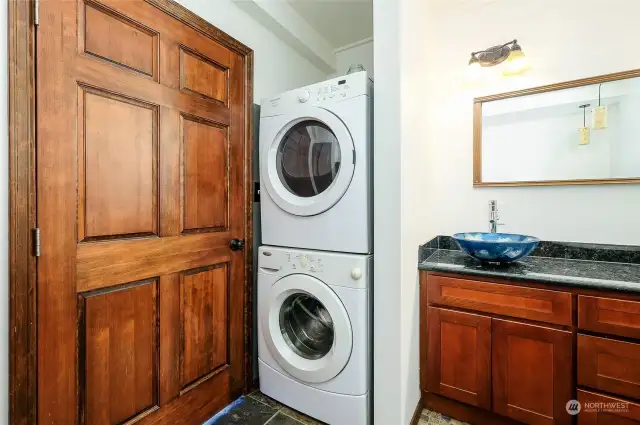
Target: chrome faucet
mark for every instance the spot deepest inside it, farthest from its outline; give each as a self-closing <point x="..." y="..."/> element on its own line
<point x="494" y="216"/>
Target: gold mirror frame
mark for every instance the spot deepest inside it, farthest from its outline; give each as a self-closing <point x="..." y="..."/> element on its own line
<point x="477" y="131"/>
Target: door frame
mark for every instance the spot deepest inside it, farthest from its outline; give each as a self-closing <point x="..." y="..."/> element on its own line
<point x="22" y="197"/>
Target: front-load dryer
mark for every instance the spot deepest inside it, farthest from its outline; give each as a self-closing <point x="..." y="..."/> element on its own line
<point x="314" y="332"/>
<point x="316" y="166"/>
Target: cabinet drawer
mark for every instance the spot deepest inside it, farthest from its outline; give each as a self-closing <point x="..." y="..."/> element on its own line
<point x="598" y="409"/>
<point x="609" y="315"/>
<point x="609" y="365"/>
<point x="517" y="301"/>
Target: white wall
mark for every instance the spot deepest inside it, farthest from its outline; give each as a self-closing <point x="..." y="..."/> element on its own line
<point x="277" y="67"/>
<point x="399" y="158"/>
<point x="356" y="53"/>
<point x="388" y="402"/>
<point x="551" y="34"/>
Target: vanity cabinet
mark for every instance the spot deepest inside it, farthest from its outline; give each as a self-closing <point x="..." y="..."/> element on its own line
<point x="500" y="352"/>
<point x="526" y="367"/>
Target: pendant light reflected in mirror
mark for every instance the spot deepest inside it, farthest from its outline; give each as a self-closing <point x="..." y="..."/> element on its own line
<point x="584" y="132"/>
<point x="599" y="114"/>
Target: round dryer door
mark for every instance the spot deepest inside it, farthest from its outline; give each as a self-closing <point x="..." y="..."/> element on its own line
<point x="306" y="328"/>
<point x="309" y="164"/>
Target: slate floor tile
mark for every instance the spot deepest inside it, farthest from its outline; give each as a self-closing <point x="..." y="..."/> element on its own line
<point x="244" y="411"/>
<point x="282" y="419"/>
<point x="257" y="395"/>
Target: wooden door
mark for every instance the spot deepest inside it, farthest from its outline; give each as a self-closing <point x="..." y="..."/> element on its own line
<point x="459" y="356"/>
<point x="532" y="372"/>
<point x="141" y="159"/>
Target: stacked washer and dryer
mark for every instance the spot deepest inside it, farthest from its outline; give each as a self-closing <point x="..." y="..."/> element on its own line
<point x="315" y="269"/>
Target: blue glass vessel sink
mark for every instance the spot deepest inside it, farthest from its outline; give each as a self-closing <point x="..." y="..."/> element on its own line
<point x="496" y="247"/>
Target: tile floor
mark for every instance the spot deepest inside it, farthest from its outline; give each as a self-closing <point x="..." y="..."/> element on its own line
<point x="259" y="409"/>
<point x="427" y="417"/>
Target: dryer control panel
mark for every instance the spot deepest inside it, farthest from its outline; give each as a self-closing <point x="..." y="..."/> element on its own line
<point x="323" y="93"/>
<point x="350" y="270"/>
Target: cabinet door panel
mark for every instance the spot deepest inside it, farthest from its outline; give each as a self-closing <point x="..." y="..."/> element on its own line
<point x="459" y="356"/>
<point x="532" y="372"/>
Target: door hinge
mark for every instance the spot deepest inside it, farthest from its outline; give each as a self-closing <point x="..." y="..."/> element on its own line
<point x="36" y="242"/>
<point x="36" y="12"/>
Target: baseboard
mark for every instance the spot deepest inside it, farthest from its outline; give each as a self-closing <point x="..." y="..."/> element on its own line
<point x="463" y="412"/>
<point x="416" y="413"/>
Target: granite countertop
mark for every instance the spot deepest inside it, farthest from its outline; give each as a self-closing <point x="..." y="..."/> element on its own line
<point x="610" y="267"/>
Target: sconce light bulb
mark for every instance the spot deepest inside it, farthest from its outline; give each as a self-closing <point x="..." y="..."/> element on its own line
<point x="516" y="63"/>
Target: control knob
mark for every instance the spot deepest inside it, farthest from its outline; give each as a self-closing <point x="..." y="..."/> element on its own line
<point x="304" y="96"/>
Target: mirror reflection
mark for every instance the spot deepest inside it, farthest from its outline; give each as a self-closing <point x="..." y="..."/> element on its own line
<point x="590" y="132"/>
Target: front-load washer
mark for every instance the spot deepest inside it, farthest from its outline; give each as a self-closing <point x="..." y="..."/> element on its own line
<point x="314" y="332"/>
<point x="316" y="166"/>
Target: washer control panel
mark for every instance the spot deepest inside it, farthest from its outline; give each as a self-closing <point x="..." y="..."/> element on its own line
<point x="304" y="262"/>
<point x="339" y="269"/>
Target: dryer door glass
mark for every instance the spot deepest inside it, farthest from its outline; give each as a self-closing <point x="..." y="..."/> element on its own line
<point x="308" y="158"/>
<point x="306" y="326"/>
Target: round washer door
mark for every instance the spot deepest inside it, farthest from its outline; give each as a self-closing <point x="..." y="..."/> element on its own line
<point x="309" y="165"/>
<point x="306" y="328"/>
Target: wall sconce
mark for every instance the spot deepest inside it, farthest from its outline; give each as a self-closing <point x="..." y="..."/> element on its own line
<point x="515" y="62"/>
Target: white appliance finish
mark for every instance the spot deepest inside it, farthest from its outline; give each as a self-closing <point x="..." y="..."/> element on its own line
<point x="315" y="166"/>
<point x="330" y="382"/>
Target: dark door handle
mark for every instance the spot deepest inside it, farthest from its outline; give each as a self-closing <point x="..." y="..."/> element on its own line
<point x="236" y="244"/>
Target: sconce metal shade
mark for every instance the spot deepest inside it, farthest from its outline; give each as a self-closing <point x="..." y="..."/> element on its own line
<point x="511" y="53"/>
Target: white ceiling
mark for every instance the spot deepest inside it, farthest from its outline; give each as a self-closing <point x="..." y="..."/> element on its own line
<point x="340" y="22"/>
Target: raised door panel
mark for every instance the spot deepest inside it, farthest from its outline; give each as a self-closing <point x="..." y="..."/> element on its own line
<point x="204" y="300"/>
<point x="608" y="315"/>
<point x="532" y="372"/>
<point x="459" y="356"/>
<point x="118" y="39"/>
<point x="203" y="76"/>
<point x="206" y="179"/>
<point x="599" y="409"/>
<point x="117" y="151"/>
<point x="119" y="353"/>
<point x="609" y="365"/>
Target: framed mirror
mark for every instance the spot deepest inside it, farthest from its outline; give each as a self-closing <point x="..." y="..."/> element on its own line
<point x="578" y="132"/>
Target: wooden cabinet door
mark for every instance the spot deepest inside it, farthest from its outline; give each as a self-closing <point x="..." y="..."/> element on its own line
<point x="459" y="356"/>
<point x="532" y="372"/>
<point x="141" y="155"/>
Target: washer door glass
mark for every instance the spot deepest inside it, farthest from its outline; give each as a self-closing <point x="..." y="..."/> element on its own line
<point x="308" y="164"/>
<point x="306" y="326"/>
<point x="308" y="158"/>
